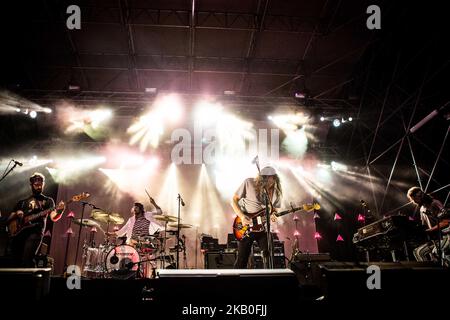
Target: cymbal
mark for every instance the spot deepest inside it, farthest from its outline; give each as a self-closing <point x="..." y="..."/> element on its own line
<point x="110" y="217"/>
<point x="86" y="223"/>
<point x="182" y="225"/>
<point x="165" y="217"/>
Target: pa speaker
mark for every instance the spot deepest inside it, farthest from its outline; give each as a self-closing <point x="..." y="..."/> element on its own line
<point x="30" y="284"/>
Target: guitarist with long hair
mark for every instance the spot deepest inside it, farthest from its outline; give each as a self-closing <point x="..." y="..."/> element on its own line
<point x="249" y="199"/>
<point x="25" y="244"/>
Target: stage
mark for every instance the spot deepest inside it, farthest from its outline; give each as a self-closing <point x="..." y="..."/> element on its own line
<point x="281" y="291"/>
<point x="199" y="157"/>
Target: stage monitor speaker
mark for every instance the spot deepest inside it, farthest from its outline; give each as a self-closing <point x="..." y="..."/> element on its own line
<point x="226" y="286"/>
<point x="220" y="260"/>
<point x="306" y="267"/>
<point x="401" y="281"/>
<point x="116" y="293"/>
<point x="30" y="284"/>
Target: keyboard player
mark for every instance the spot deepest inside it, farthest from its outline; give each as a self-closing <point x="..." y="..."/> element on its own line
<point x="431" y="211"/>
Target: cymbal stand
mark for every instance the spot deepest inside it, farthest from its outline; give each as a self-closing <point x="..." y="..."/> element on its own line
<point x="69" y="235"/>
<point x="183" y="242"/>
<point x="79" y="231"/>
<point x="107" y="233"/>
<point x="163" y="249"/>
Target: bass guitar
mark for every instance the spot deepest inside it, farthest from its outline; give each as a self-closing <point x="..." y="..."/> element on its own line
<point x="18" y="224"/>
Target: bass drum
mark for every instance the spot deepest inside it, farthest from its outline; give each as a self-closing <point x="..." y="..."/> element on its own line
<point x="122" y="258"/>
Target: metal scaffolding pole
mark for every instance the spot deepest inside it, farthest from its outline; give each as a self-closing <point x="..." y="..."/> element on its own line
<point x="437" y="159"/>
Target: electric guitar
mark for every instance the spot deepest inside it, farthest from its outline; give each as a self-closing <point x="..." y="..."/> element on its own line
<point x="17" y="225"/>
<point x="241" y="230"/>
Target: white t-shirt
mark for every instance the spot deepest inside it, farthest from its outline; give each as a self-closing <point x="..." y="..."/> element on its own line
<point x="250" y="201"/>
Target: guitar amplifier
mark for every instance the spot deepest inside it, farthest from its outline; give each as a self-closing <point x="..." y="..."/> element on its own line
<point x="220" y="260"/>
<point x="278" y="256"/>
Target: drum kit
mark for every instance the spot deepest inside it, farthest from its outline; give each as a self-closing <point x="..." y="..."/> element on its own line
<point x="140" y="256"/>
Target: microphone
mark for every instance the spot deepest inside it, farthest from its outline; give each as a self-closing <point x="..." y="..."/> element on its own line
<point x="17" y="162"/>
<point x="181" y="200"/>
<point x="255" y="160"/>
<point x="363" y="203"/>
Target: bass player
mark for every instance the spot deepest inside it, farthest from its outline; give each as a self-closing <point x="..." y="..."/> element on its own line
<point x="25" y="244"/>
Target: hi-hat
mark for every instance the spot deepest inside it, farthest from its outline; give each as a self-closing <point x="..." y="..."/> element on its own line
<point x="110" y="217"/>
<point x="181" y="226"/>
<point x="165" y="217"/>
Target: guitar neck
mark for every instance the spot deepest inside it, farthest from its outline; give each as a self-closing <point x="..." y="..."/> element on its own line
<point x="278" y="214"/>
<point x="42" y="213"/>
<point x="282" y="213"/>
<point x="39" y="215"/>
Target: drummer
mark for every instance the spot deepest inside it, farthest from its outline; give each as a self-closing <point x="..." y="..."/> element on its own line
<point x="141" y="223"/>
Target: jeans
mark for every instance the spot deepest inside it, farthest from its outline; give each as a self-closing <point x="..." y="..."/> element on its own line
<point x="245" y="247"/>
<point x="24" y="248"/>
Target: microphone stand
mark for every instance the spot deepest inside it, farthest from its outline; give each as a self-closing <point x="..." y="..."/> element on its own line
<point x="268" y="232"/>
<point x="79" y="231"/>
<point x="439" y="247"/>
<point x="177" y="246"/>
<point x="84" y="203"/>
<point x="9" y="171"/>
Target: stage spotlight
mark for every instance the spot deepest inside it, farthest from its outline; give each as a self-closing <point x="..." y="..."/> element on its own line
<point x="169" y="108"/>
<point x="33" y="160"/>
<point x="350" y="119"/>
<point x="47" y="110"/>
<point x="99" y="116"/>
<point x="151" y="90"/>
<point x="33" y="114"/>
<point x="74" y="87"/>
<point x="335" y="166"/>
<point x="336" y="123"/>
<point x="208" y="113"/>
<point x="289" y="122"/>
<point x="322" y="118"/>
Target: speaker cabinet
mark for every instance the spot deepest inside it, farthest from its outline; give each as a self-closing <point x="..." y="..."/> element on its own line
<point x="220" y="260"/>
<point x="31" y="284"/>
